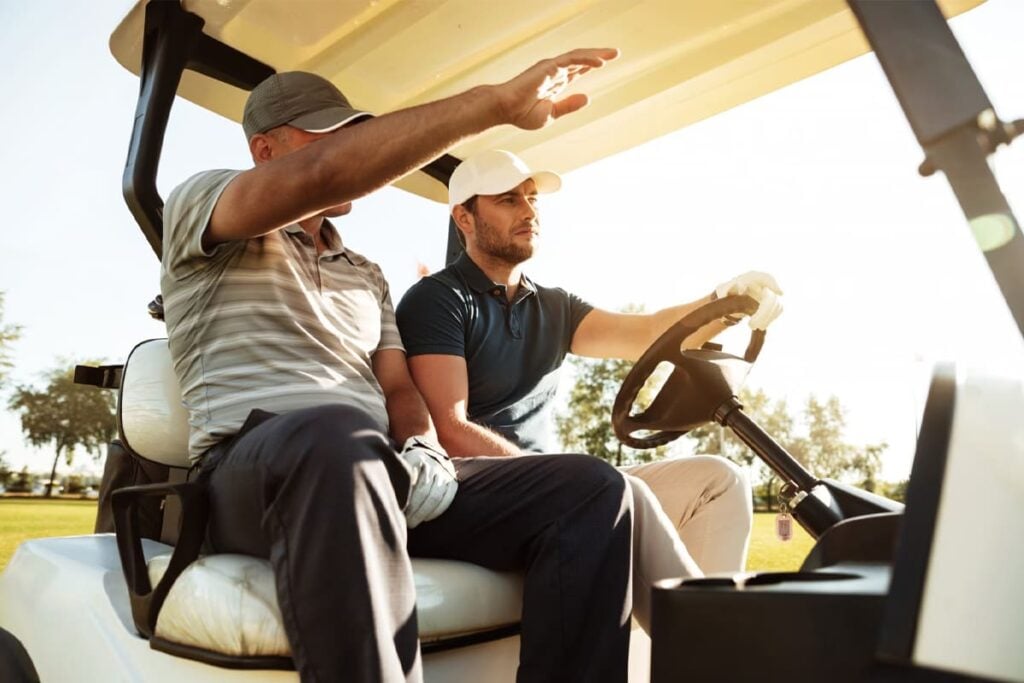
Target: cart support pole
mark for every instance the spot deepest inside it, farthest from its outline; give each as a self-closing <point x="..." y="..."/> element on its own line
<point x="954" y="122"/>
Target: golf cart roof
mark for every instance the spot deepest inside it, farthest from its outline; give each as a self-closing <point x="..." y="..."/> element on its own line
<point x="683" y="60"/>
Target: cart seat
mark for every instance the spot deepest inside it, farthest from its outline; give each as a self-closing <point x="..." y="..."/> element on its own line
<point x="226" y="605"/>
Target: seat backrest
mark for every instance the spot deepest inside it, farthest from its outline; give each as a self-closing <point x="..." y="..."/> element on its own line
<point x="151" y="417"/>
<point x="956" y="591"/>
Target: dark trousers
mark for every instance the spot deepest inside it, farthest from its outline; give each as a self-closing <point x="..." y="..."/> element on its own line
<point x="319" y="492"/>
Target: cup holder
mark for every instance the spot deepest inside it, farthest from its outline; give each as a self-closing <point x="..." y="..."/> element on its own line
<point x="743" y="580"/>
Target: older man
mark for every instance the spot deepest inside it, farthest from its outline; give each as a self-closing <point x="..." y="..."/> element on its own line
<point x="317" y="448"/>
<point x="485" y="344"/>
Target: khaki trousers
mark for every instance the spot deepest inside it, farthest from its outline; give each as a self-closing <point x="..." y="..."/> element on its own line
<point x="692" y="516"/>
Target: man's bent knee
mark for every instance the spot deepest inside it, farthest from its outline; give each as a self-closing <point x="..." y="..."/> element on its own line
<point x="592" y="471"/>
<point x="729" y="473"/>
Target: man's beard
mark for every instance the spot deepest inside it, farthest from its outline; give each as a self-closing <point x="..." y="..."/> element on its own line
<point x="490" y="242"/>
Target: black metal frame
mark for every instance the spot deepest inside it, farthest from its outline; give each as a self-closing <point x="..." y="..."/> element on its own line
<point x="173" y="42"/>
<point x="924" y="495"/>
<point x="952" y="118"/>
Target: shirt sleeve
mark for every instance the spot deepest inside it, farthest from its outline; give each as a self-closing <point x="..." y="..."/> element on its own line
<point x="578" y="310"/>
<point x="432" y="318"/>
<point x="186" y="215"/>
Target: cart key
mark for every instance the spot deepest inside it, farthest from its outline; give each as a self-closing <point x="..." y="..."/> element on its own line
<point x="784" y="524"/>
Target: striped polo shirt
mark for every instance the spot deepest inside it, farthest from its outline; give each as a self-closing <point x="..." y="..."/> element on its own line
<point x="267" y="322"/>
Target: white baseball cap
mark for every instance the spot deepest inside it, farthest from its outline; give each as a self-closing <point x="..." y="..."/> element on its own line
<point x="494" y="172"/>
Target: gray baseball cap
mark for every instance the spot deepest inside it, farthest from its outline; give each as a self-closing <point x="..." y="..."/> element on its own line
<point x="300" y="99"/>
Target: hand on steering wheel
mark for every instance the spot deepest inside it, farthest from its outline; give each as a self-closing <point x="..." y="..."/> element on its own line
<point x="763" y="288"/>
<point x="700" y="381"/>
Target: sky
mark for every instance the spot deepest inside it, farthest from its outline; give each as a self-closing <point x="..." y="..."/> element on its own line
<point x="815" y="184"/>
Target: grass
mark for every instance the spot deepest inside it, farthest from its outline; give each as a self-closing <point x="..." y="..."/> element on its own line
<point x="24" y="518"/>
<point x="768" y="553"/>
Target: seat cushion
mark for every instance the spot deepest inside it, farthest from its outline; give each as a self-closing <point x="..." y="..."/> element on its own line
<point x="228" y="603"/>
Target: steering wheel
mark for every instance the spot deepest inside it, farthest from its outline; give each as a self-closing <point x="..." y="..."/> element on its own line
<point x="701" y="379"/>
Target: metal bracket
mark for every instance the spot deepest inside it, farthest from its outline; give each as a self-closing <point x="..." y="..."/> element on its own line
<point x="102" y="376"/>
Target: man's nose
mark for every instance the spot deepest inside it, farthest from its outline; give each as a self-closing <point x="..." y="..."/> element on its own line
<point x="529" y="210"/>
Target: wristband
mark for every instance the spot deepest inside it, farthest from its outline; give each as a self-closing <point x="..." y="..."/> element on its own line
<point x="424" y="443"/>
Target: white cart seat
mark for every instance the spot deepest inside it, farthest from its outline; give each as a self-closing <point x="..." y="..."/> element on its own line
<point x="227" y="603"/>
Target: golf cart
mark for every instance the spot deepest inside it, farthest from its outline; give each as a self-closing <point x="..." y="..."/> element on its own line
<point x="881" y="595"/>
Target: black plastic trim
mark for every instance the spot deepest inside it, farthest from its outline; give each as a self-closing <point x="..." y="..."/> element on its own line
<point x="869" y="539"/>
<point x="220" y="659"/>
<point x="905" y="673"/>
<point x="924" y="494"/>
<point x="932" y="79"/>
<point x="471" y="639"/>
<point x="102" y="376"/>
<point x="441" y="168"/>
<point x="147" y="600"/>
<point x="288" y="664"/>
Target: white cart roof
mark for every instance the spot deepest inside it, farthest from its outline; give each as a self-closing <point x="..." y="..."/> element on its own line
<point x="682" y="60"/>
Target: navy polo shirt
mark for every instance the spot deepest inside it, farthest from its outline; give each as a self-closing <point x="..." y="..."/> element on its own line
<point x="513" y="349"/>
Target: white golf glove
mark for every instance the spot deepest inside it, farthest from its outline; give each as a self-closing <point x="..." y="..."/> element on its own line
<point x="769" y="308"/>
<point x="433" y="482"/>
<point x="761" y="287"/>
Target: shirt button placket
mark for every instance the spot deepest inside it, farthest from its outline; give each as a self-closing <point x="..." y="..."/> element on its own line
<point x="513" y="323"/>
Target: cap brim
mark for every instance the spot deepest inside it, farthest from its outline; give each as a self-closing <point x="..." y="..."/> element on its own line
<point x="545" y="182"/>
<point x="327" y="120"/>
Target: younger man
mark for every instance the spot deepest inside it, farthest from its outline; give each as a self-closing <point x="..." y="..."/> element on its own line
<point x="485" y="344"/>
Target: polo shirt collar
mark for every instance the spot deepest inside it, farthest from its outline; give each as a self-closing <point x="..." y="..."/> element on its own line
<point x="332" y="239"/>
<point x="481" y="284"/>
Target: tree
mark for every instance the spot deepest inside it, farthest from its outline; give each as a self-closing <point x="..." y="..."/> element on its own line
<point x="22" y="483"/>
<point x="75" y="484"/>
<point x="65" y="415"/>
<point x="894" y="490"/>
<point x="586" y="426"/>
<point x="8" y="334"/>
<point x="6" y="473"/>
<point x="824" y="451"/>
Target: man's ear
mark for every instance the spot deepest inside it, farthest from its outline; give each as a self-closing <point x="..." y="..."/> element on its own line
<point x="463" y="219"/>
<point x="259" y="147"/>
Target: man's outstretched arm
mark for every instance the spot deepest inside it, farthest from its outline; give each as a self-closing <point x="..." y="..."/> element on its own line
<point x="442" y="379"/>
<point x="605" y="334"/>
<point x="357" y="160"/>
